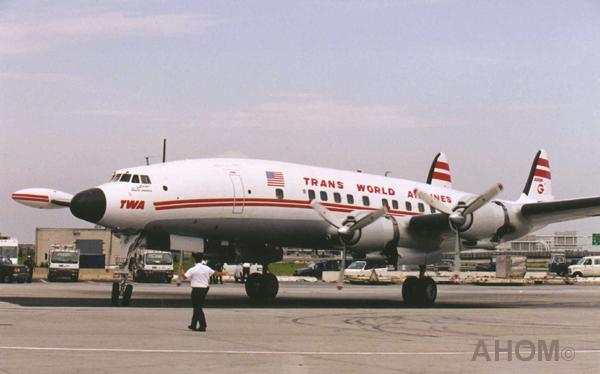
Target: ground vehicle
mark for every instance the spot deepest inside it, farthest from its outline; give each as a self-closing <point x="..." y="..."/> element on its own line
<point x="236" y="270"/>
<point x="560" y="265"/>
<point x="9" y="247"/>
<point x="10" y="272"/>
<point x="362" y="269"/>
<point x="316" y="268"/>
<point x="63" y="262"/>
<point x="588" y="266"/>
<point x="151" y="265"/>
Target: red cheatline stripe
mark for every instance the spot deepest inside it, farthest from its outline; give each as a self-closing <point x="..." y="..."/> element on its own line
<point x="282" y="204"/>
<point x="441" y="176"/>
<point x="543" y="162"/>
<point x="30" y="197"/>
<point x="229" y="199"/>
<point x="542" y="173"/>
<point x="442" y="165"/>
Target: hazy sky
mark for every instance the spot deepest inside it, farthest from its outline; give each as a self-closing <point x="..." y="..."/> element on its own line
<point x="89" y="87"/>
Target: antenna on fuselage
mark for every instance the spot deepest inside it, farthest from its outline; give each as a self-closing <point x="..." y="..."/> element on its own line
<point x="164" y="150"/>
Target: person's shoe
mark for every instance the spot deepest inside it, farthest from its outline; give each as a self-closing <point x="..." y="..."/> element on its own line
<point x="201" y="329"/>
<point x="192" y="328"/>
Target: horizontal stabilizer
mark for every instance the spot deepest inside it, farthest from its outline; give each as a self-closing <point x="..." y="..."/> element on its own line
<point x="562" y="210"/>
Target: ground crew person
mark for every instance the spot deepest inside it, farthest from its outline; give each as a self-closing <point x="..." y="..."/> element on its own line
<point x="30" y="264"/>
<point x="199" y="276"/>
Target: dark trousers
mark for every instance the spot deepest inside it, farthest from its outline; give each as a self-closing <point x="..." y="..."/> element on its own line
<point x="198" y="296"/>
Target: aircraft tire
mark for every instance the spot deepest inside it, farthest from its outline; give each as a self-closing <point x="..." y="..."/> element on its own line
<point x="409" y="290"/>
<point x="253" y="286"/>
<point x="127" y="295"/>
<point x="426" y="291"/>
<point x="269" y="287"/>
<point x="114" y="296"/>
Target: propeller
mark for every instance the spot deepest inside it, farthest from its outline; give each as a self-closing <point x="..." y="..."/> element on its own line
<point x="457" y="216"/>
<point x="346" y="230"/>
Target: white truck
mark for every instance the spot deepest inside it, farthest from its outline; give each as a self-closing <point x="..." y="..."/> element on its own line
<point x="237" y="270"/>
<point x="9" y="248"/>
<point x="586" y="267"/>
<point x="63" y="262"/>
<point x="149" y="265"/>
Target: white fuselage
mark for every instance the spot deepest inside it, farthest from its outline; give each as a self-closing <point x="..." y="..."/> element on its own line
<point x="234" y="199"/>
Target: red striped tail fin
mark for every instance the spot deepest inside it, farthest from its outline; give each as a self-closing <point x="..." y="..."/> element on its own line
<point x="539" y="182"/>
<point x="439" y="173"/>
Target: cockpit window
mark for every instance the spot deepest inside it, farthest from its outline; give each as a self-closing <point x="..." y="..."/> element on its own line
<point x="135" y="179"/>
<point x="116" y="177"/>
<point x="125" y="178"/>
<point x="145" y="179"/>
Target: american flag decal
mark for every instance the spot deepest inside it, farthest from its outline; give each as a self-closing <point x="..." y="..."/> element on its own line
<point x="275" y="179"/>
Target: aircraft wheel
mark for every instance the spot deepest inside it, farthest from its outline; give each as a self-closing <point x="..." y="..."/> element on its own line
<point x="127" y="295"/>
<point x="409" y="290"/>
<point x="114" y="296"/>
<point x="427" y="291"/>
<point x="269" y="287"/>
<point x="254" y="286"/>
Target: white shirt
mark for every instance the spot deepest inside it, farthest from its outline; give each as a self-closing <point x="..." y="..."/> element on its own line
<point x="199" y="275"/>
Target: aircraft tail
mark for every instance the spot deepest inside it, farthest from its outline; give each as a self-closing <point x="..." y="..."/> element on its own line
<point x="439" y="173"/>
<point x="539" y="184"/>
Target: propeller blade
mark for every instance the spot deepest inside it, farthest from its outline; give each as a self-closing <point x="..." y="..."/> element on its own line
<point x="429" y="200"/>
<point x="326" y="214"/>
<point x="482" y="199"/>
<point x="340" y="281"/>
<point x="363" y="221"/>
<point x="457" y="251"/>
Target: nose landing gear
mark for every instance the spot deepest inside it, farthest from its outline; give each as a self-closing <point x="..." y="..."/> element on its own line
<point x="262" y="288"/>
<point x="421" y="291"/>
<point x="121" y="290"/>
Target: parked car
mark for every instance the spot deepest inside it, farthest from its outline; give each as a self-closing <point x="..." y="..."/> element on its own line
<point x="10" y="272"/>
<point x="363" y="269"/>
<point x="316" y="268"/>
<point x="586" y="267"/>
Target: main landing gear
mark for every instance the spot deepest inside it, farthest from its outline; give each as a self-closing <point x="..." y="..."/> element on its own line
<point x="420" y="291"/>
<point x="262" y="288"/>
<point x="121" y="290"/>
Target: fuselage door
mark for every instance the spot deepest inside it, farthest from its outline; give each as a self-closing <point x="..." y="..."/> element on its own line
<point x="238" y="192"/>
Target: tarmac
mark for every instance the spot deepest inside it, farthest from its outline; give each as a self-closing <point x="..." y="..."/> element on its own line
<point x="311" y="328"/>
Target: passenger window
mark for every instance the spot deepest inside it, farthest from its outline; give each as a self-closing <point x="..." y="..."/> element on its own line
<point x="311" y="195"/>
<point x="279" y="193"/>
<point x="395" y="204"/>
<point x="385" y="203"/>
<point x="145" y="179"/>
<point x="323" y="195"/>
<point x="588" y="262"/>
<point x="432" y="209"/>
<point x="366" y="201"/>
<point x="350" y="199"/>
<point x="125" y="178"/>
<point x="421" y="208"/>
<point x="135" y="179"/>
<point x="409" y="206"/>
<point x="597" y="262"/>
<point x="337" y="197"/>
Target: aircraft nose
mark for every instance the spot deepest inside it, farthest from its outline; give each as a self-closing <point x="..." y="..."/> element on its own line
<point x="89" y="205"/>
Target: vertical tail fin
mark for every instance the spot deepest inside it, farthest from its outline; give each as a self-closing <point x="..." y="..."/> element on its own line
<point x="539" y="184"/>
<point x="439" y="173"/>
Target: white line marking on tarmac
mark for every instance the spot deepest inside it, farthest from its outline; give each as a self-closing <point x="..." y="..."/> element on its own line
<point x="229" y="352"/>
<point x="202" y="351"/>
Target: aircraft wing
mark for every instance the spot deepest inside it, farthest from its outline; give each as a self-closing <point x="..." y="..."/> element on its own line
<point x="544" y="213"/>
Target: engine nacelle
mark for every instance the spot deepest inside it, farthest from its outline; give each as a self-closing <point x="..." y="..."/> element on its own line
<point x="379" y="236"/>
<point x="496" y="220"/>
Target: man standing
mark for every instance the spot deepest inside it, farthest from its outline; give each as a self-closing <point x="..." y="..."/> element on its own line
<point x="199" y="276"/>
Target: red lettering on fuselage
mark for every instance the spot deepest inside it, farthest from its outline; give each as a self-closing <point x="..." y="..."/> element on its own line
<point x="375" y="189"/>
<point x="325" y="183"/>
<point x="133" y="204"/>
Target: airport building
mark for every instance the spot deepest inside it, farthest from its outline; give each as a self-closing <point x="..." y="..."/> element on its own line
<point x="98" y="247"/>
